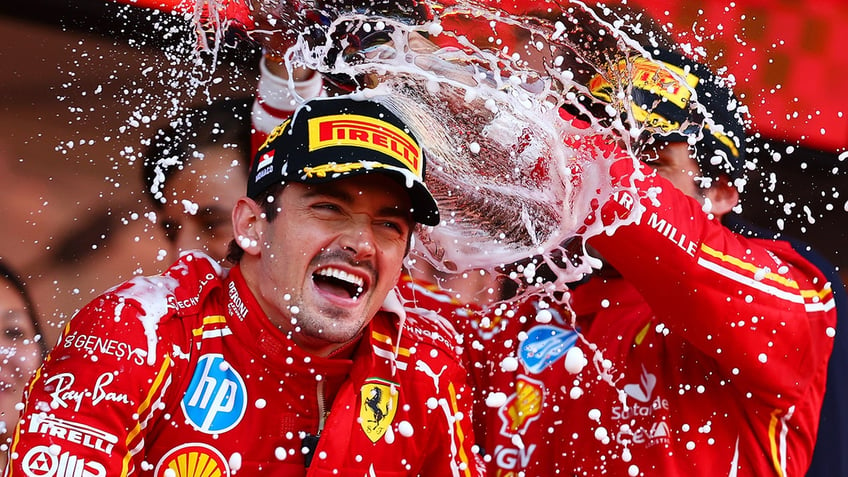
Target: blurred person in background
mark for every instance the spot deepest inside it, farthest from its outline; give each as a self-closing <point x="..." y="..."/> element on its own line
<point x="192" y="170"/>
<point x="22" y="349"/>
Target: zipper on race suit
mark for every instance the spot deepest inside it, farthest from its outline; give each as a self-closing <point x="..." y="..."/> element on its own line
<point x="310" y="441"/>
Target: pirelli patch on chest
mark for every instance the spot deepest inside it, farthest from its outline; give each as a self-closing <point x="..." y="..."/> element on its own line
<point x="379" y="401"/>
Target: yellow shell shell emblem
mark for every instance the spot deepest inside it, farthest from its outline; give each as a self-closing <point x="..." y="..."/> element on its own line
<point x="527" y="404"/>
<point x="378" y="406"/>
<point x="193" y="460"/>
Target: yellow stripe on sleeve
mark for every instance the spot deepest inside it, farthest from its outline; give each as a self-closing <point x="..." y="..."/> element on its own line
<point x="154" y="389"/>
<point x="820" y="294"/>
<point x="749" y="267"/>
<point x="209" y="320"/>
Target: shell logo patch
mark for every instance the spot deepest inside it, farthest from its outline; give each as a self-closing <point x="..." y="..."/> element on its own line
<point x="192" y="460"/>
<point x="523" y="407"/>
<point x="378" y="406"/>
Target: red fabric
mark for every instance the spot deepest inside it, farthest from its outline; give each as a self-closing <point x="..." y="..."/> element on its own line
<point x="223" y="383"/>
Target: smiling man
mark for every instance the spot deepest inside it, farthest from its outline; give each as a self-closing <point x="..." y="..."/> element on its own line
<point x="298" y="361"/>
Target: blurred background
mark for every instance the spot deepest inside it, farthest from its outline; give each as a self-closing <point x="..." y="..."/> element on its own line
<point x="84" y="81"/>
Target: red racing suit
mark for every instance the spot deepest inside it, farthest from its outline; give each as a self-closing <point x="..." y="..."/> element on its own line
<point x="706" y="356"/>
<point x="183" y="375"/>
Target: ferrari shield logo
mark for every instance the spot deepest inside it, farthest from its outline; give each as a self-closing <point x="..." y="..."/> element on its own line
<point x="379" y="403"/>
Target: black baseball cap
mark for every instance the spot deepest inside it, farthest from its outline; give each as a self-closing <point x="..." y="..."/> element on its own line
<point x="328" y="139"/>
<point x="408" y="11"/>
<point x="661" y="98"/>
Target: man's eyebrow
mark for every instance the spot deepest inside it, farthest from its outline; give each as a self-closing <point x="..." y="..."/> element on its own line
<point x="337" y="194"/>
<point x="340" y="195"/>
<point x="396" y="212"/>
<point x="12" y="316"/>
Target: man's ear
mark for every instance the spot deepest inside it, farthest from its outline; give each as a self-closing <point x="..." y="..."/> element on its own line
<point x="248" y="225"/>
<point x="723" y="196"/>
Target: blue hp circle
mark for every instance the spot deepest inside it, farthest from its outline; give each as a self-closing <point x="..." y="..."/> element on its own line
<point x="216" y="398"/>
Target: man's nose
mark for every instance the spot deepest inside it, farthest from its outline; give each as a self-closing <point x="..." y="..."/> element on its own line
<point x="190" y="237"/>
<point x="358" y="237"/>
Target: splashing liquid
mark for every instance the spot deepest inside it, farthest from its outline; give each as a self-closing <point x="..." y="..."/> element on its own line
<point x="508" y="168"/>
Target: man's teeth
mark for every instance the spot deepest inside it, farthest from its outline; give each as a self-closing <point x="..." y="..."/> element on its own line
<point x="342" y="275"/>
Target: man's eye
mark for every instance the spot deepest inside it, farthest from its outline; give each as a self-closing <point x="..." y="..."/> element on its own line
<point x="172" y="230"/>
<point x="394" y="226"/>
<point x="327" y="207"/>
<point x="213" y="224"/>
<point x="14" y="333"/>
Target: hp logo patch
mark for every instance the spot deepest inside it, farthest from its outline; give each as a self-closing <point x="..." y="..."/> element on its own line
<point x="216" y="398"/>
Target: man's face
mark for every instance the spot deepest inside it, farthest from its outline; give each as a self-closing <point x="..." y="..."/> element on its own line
<point x="331" y="256"/>
<point x="200" y="199"/>
<point x="20" y="354"/>
<point x="672" y="160"/>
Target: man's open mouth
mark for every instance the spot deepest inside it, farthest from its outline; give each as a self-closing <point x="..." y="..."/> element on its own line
<point x="339" y="283"/>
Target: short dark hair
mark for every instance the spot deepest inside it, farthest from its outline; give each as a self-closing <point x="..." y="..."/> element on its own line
<point x="221" y="123"/>
<point x="268" y="202"/>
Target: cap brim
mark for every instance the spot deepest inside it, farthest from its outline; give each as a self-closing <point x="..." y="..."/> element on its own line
<point x="425" y="210"/>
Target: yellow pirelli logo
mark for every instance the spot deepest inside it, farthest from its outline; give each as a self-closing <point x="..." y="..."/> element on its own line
<point x="656" y="77"/>
<point x="663" y="79"/>
<point x="367" y="132"/>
